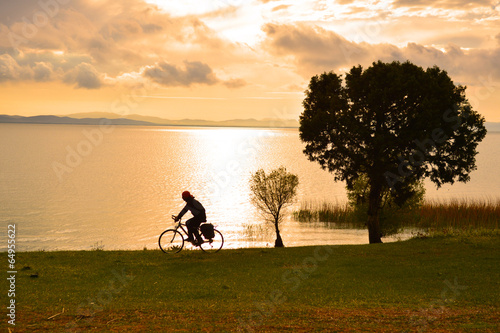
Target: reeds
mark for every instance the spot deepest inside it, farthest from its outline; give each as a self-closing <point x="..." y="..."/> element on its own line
<point x="335" y="215"/>
<point x="432" y="216"/>
<point x="257" y="231"/>
<point x="323" y="212"/>
<point x="460" y="214"/>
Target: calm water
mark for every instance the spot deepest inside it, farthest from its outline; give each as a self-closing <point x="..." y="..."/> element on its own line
<point x="77" y="187"/>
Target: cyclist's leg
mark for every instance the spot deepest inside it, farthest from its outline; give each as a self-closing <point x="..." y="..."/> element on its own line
<point x="189" y="225"/>
<point x="193" y="224"/>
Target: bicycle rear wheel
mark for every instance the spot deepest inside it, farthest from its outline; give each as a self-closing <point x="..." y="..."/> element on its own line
<point x="214" y="244"/>
<point x="171" y="241"/>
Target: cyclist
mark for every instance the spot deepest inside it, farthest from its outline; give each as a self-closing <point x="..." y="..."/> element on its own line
<point x="199" y="216"/>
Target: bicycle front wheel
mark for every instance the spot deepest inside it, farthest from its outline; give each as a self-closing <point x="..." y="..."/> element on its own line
<point x="171" y="241"/>
<point x="214" y="244"/>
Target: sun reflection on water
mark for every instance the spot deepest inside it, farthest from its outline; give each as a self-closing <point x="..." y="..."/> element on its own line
<point x="217" y="166"/>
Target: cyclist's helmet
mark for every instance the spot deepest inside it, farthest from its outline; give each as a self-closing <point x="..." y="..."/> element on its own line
<point x="186" y="195"/>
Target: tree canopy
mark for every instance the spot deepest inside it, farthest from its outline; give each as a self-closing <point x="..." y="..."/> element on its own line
<point x="395" y="123"/>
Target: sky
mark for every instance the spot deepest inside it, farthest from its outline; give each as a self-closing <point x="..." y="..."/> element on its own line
<point x="229" y="59"/>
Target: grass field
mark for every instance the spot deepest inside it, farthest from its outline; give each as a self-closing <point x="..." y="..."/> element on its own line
<point x="442" y="284"/>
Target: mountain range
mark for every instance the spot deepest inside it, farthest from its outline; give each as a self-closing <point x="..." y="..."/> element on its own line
<point x="95" y="118"/>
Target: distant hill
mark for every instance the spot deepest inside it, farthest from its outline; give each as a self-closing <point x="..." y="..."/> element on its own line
<point x="94" y="118"/>
<point x="270" y="122"/>
<point x="492" y="127"/>
<point x="69" y="120"/>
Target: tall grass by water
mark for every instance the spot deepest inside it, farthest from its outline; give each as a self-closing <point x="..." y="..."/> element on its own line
<point x="341" y="215"/>
<point x="433" y="216"/>
<point x="460" y="214"/>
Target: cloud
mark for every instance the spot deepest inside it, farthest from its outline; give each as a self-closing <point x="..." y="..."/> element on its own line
<point x="11" y="11"/>
<point x="450" y="4"/>
<point x="311" y="48"/>
<point x="116" y="35"/>
<point x="42" y="72"/>
<point x="314" y="50"/>
<point x="10" y="70"/>
<point x="151" y="28"/>
<point x="85" y="76"/>
<point x="235" y="83"/>
<point x="90" y="44"/>
<point x="472" y="13"/>
<point x="111" y="38"/>
<point x="171" y="75"/>
<point x="59" y="61"/>
<point x="280" y="7"/>
<point x="80" y="71"/>
<point x="46" y="66"/>
<point x="193" y="72"/>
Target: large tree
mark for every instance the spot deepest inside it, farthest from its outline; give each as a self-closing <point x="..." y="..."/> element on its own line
<point x="394" y="123"/>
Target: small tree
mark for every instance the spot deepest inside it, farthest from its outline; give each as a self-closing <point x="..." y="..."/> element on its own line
<point x="272" y="193"/>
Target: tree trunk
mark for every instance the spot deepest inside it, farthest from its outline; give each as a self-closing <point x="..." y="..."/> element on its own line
<point x="279" y="241"/>
<point x="374" y="201"/>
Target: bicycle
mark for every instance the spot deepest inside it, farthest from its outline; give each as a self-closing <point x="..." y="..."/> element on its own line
<point x="172" y="240"/>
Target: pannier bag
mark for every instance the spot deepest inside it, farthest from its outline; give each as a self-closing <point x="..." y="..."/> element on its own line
<point x="207" y="229"/>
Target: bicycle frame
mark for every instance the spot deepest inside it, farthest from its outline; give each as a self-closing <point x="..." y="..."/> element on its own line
<point x="181" y="226"/>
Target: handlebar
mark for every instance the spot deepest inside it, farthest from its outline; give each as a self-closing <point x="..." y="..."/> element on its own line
<point x="174" y="217"/>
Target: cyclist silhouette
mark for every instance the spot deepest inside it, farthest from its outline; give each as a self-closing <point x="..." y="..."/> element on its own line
<point x="199" y="216"/>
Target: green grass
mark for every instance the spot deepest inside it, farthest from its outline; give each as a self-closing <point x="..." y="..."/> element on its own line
<point x="431" y="284"/>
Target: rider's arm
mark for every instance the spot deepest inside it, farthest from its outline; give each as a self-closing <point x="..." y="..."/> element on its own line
<point x="183" y="211"/>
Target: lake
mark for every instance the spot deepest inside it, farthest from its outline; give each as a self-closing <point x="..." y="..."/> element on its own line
<point x="74" y="187"/>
